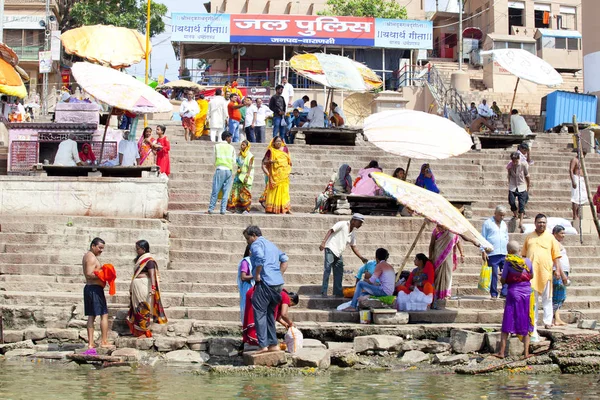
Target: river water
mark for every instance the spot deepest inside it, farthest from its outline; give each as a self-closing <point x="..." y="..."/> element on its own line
<point x="29" y="380"/>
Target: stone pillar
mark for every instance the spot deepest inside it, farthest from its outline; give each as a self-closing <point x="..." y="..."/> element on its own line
<point x="460" y="81"/>
<point x="591" y="48"/>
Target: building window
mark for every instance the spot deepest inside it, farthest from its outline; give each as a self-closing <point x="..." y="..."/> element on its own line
<point x="560" y="43"/>
<point x="514" y="45"/>
<point x="568" y="18"/>
<point x="541" y="14"/>
<point x="573" y="44"/>
<point x="516" y="11"/>
<point x="530" y="47"/>
<point x="499" y="45"/>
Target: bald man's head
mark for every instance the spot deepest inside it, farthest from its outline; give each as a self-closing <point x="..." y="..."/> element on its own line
<point x="513" y="247"/>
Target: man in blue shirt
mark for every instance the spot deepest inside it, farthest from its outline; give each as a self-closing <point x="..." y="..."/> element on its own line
<point x="270" y="264"/>
<point x="495" y="231"/>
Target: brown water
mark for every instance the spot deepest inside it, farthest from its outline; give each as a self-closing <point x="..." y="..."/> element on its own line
<point x="27" y="380"/>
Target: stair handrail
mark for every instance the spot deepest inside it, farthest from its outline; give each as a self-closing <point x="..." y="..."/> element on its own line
<point x="448" y="96"/>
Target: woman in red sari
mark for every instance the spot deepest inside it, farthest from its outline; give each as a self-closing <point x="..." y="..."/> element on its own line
<point x="86" y="154"/>
<point x="281" y="315"/>
<point x="162" y="155"/>
<point x="421" y="277"/>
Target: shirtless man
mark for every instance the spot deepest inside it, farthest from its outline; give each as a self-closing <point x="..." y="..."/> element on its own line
<point x="578" y="191"/>
<point x="93" y="293"/>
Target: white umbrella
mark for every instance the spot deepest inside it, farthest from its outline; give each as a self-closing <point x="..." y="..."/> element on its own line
<point x="415" y="134"/>
<point x="525" y="65"/>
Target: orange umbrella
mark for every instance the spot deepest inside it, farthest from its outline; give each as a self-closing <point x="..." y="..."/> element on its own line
<point x="10" y="81"/>
<point x="106" y="44"/>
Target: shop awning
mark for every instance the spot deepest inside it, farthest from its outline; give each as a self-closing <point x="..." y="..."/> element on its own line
<point x="560" y="33"/>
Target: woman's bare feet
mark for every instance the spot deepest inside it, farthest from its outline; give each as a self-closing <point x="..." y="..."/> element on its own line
<point x="273" y="348"/>
<point x="498" y="355"/>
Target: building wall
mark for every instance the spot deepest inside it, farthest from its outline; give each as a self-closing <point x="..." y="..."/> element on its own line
<point x="591" y="46"/>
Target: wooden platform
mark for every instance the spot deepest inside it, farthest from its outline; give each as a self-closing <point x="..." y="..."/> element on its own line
<point x="87" y="170"/>
<point x="326" y="136"/>
<point x="501" y="141"/>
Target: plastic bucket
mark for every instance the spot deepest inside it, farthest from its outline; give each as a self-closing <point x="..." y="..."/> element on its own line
<point x="365" y="316"/>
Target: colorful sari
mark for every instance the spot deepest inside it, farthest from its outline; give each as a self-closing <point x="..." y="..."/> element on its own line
<point x="276" y="197"/>
<point x="240" y="197"/>
<point x="89" y="157"/>
<point x="519" y="309"/>
<point x="201" y="127"/>
<point x="144" y="308"/>
<point x="147" y="155"/>
<point x="248" y="326"/>
<point x="162" y="157"/>
<point x="443" y="265"/>
<point x="364" y="185"/>
<point x="427" y="183"/>
<point x="419" y="278"/>
<point x="244" y="286"/>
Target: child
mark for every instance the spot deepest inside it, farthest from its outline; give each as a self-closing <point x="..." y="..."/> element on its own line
<point x="245" y="280"/>
<point x="518" y="309"/>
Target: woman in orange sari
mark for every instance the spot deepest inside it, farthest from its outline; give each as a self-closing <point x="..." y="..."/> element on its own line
<point x="277" y="166"/>
<point x="147" y="147"/>
<point x="201" y="125"/>
<point x="145" y="305"/>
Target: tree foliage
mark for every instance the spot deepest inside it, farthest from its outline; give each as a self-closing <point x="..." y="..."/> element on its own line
<point x="365" y="8"/>
<point x="125" y="13"/>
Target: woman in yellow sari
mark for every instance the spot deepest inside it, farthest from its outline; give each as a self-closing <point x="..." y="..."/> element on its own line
<point x="277" y="165"/>
<point x="201" y="125"/>
<point x="145" y="305"/>
<point x="241" y="196"/>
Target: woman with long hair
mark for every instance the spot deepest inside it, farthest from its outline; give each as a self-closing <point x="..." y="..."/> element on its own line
<point x="163" y="160"/>
<point x="240" y="197"/>
<point x="147" y="148"/>
<point x="277" y="166"/>
<point x="443" y="247"/>
<point x="145" y="306"/>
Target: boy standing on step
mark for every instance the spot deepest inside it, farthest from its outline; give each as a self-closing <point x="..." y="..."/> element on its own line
<point x="334" y="244"/>
<point x="93" y="293"/>
<point x="224" y="162"/>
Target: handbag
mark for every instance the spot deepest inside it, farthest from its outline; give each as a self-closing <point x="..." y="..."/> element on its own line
<point x="485" y="277"/>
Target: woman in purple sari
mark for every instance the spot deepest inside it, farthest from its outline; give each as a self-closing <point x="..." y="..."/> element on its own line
<point x="519" y="307"/>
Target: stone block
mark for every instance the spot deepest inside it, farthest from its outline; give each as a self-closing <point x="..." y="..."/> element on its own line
<point x="344" y="358"/>
<point x="25" y="344"/>
<point x="312" y="358"/>
<point x="414" y="357"/>
<point x="451" y="360"/>
<point x="426" y="346"/>
<point x="587" y="324"/>
<point x="62" y="334"/>
<point x="52" y="355"/>
<point x="224" y="347"/>
<point x="128" y="354"/>
<point x="393" y="318"/>
<point x="313" y="343"/>
<point x="19" y="353"/>
<point x="77" y="323"/>
<point x="514" y="347"/>
<point x="377" y="342"/>
<point x="83" y="335"/>
<point x="187" y="356"/>
<point x="13" y="336"/>
<point x="268" y="359"/>
<point x="34" y="334"/>
<point x="165" y="344"/>
<point x="335" y="346"/>
<point x="463" y="341"/>
<point x="180" y="328"/>
<point x="133" y="342"/>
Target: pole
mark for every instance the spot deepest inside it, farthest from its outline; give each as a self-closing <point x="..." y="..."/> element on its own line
<point x="46" y="47"/>
<point x="383" y="66"/>
<point x="412" y="247"/>
<point x="239" y="62"/>
<point x="147" y="70"/>
<point x="460" y="34"/>
<point x="407" y="167"/>
<point x="585" y="178"/>
<point x="112" y="109"/>
<point x="514" y="95"/>
<point x="2" y="21"/>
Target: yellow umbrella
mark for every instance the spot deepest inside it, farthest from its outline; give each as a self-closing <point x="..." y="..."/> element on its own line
<point x="106" y="44"/>
<point x="10" y="81"/>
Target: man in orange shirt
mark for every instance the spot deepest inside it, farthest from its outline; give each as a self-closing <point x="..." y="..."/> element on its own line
<point x="235" y="116"/>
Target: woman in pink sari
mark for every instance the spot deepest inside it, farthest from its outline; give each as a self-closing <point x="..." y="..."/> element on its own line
<point x="147" y="147"/>
<point x="442" y="251"/>
<point x="364" y="185"/>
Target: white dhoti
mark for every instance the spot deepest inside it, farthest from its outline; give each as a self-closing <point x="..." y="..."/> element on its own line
<point x="579" y="193"/>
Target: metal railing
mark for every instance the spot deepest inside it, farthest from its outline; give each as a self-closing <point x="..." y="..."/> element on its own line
<point x="28" y="53"/>
<point x="448" y="97"/>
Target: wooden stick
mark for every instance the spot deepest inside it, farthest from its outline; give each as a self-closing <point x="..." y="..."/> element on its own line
<point x="412" y="247"/>
<point x="407" y="167"/>
<point x="585" y="178"/>
<point x="514" y="95"/>
<point x="112" y="109"/>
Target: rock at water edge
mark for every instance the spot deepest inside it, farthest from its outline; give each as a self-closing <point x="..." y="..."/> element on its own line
<point x="187" y="356"/>
<point x="377" y="342"/>
<point x="35" y="334"/>
<point x="514" y="346"/>
<point x="344" y="358"/>
<point x="136" y="343"/>
<point x="463" y="341"/>
<point x="13" y="336"/>
<point x="268" y="359"/>
<point x="587" y="324"/>
<point x="312" y="358"/>
<point x="426" y="346"/>
<point x="339" y="346"/>
<point x="128" y="354"/>
<point x="313" y="343"/>
<point x="25" y="344"/>
<point x="165" y="344"/>
<point x="62" y="334"/>
<point x="414" y="357"/>
<point x="19" y="353"/>
<point x="450" y="361"/>
<point x="224" y="347"/>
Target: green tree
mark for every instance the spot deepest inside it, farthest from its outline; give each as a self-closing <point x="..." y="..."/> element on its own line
<point x="125" y="13"/>
<point x="365" y="8"/>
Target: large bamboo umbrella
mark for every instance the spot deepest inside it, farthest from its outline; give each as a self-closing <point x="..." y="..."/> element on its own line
<point x="10" y="81"/>
<point x="182" y="84"/>
<point x="106" y="44"/>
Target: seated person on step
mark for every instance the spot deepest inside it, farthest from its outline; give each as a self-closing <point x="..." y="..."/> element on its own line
<point x="340" y="183"/>
<point x="67" y="154"/>
<point x="422" y="277"/>
<point x="484" y="117"/>
<point x="364" y="185"/>
<point x="496" y="110"/>
<point x="518" y="125"/>
<point x="337" y="115"/>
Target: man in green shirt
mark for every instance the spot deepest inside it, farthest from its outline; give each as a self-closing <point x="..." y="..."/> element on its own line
<point x="224" y="162"/>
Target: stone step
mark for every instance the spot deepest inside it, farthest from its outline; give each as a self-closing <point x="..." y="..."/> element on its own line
<point x="81" y="237"/>
<point x="58" y="223"/>
<point x="70" y="258"/>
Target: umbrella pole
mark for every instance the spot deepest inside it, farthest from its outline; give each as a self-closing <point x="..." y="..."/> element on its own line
<point x="104" y="136"/>
<point x="412" y="247"/>
<point x="407" y="167"/>
<point x="514" y="95"/>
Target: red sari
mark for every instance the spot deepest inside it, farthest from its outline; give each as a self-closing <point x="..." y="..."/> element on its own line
<point x="249" y="328"/>
<point x="162" y="156"/>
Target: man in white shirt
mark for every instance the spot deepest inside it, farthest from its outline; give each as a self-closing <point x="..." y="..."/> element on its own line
<point x="485" y="114"/>
<point x="260" y="120"/>
<point x="518" y="125"/>
<point x="315" y="116"/>
<point x="129" y="154"/>
<point x="20" y="109"/>
<point x="67" y="154"/>
<point x="484" y="110"/>
<point x="251" y="111"/>
<point x="188" y="111"/>
<point x="300" y="104"/>
<point x="217" y="115"/>
<point x="334" y="244"/>
<point x="288" y="91"/>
